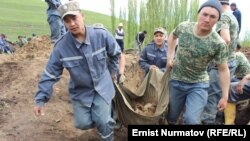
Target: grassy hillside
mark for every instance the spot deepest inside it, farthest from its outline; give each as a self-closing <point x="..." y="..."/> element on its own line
<point x="24" y="17"/>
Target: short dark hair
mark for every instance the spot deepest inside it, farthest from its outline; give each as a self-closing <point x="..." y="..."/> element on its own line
<point x="144" y="31"/>
<point x="233" y="4"/>
<point x="238" y="46"/>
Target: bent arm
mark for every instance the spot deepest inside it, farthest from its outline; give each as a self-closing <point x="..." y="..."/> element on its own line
<point x="50" y="76"/>
<point x="242" y="83"/>
<point x="138" y="38"/>
<point x="55" y="3"/>
<point x="119" y="33"/>
<point x="143" y="61"/>
<point x="113" y="52"/>
<point x="122" y="63"/>
<point x="172" y="42"/>
<point x="225" y="35"/>
<point x="247" y="77"/>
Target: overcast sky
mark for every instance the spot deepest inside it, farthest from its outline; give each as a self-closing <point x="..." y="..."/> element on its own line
<point x="103" y="6"/>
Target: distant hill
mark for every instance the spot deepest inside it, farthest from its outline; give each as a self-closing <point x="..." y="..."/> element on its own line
<point x="24" y="17"/>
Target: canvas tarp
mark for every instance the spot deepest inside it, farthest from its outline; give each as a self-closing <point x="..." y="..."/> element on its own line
<point x="154" y="89"/>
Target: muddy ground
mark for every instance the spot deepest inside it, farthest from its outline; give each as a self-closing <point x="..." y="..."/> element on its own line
<point x="19" y="76"/>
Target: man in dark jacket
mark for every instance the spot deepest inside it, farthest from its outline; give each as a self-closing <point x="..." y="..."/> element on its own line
<point x="236" y="13"/>
<point x="139" y="39"/>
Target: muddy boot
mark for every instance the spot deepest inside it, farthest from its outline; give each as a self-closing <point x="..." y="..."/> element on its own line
<point x="230" y="113"/>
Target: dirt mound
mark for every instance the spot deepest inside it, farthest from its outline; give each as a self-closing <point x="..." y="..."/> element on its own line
<point x="38" y="48"/>
<point x="19" y="81"/>
<point x="134" y="74"/>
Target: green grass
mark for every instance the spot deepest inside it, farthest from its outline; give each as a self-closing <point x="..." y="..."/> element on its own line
<point x="246" y="40"/>
<point x="24" y="17"/>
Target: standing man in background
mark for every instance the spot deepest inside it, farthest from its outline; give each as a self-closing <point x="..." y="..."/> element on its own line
<point x="57" y="29"/>
<point x="119" y="36"/>
<point x="139" y="39"/>
<point x="236" y="13"/>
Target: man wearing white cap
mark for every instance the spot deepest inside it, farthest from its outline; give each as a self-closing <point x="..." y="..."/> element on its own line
<point x="83" y="51"/>
<point x="119" y="36"/>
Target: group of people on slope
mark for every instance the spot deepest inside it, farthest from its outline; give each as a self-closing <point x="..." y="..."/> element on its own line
<point x="5" y="45"/>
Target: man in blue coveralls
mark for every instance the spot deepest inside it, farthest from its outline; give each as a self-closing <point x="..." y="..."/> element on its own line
<point x="83" y="51"/>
